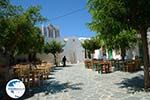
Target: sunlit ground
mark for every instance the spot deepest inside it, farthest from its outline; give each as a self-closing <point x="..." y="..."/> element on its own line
<point x="75" y="82"/>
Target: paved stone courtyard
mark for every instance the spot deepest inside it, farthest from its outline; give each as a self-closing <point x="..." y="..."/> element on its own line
<point x="75" y="82"/>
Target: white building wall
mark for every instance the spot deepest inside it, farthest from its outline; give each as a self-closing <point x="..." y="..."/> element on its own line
<point x="73" y="50"/>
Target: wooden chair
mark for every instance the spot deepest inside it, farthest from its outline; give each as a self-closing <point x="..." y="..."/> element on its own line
<point x="132" y="66"/>
<point x="105" y="66"/>
<point x="45" y="70"/>
<point x="88" y="64"/>
<point x="95" y="65"/>
<point x="32" y="75"/>
<point x="137" y="64"/>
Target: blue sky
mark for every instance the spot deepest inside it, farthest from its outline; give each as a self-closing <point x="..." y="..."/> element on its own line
<point x="71" y="25"/>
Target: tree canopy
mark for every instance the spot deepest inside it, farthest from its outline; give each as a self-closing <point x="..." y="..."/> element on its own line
<point x="54" y="47"/>
<point x="114" y="15"/>
<point x="110" y="17"/>
<point x="19" y="33"/>
<point x="91" y="45"/>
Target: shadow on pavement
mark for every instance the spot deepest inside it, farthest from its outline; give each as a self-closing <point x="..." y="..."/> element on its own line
<point x="135" y="84"/>
<point x="57" y="68"/>
<point x="65" y="66"/>
<point x="68" y="66"/>
<point x="52" y="87"/>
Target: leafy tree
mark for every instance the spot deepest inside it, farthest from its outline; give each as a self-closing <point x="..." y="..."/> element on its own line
<point x="122" y="41"/>
<point x="113" y="16"/>
<point x="125" y="40"/>
<point x="54" y="47"/>
<point x="85" y="45"/>
<point x="91" y="45"/>
<point x="8" y="10"/>
<point x="18" y="31"/>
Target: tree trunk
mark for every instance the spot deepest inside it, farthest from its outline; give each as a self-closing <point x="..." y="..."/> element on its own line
<point x="55" y="60"/>
<point x="146" y="59"/>
<point x="123" y="54"/>
<point x="11" y="60"/>
<point x="34" y="59"/>
<point x="85" y="53"/>
<point x="89" y="55"/>
<point x="29" y="58"/>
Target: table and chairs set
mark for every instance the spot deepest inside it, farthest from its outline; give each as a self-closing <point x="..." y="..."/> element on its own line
<point x="108" y="66"/>
<point x="32" y="75"/>
<point x="99" y="65"/>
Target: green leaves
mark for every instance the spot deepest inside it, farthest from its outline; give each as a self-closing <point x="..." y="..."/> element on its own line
<point x="92" y="44"/>
<point x="33" y="14"/>
<point x="18" y="31"/>
<point x="110" y="18"/>
<point x="128" y="13"/>
<point x="53" y="47"/>
<point x="105" y="17"/>
<point x="125" y="39"/>
<point x="7" y="10"/>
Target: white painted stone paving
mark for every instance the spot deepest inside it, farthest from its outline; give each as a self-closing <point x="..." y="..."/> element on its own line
<point x="78" y="83"/>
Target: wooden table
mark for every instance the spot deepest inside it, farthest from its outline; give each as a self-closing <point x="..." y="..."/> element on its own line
<point x="102" y="66"/>
<point x="132" y="66"/>
<point x="30" y="75"/>
<point x="105" y="66"/>
<point x="96" y="65"/>
<point x="88" y="64"/>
